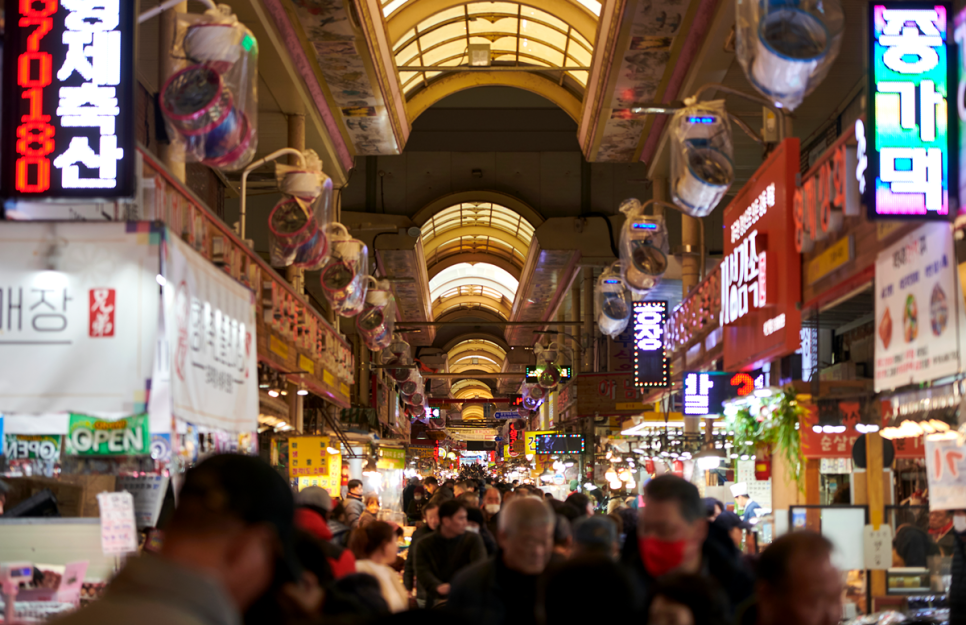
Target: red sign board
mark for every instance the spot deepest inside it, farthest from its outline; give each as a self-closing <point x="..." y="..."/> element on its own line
<point x="761" y="275"/>
<point x="839" y="444"/>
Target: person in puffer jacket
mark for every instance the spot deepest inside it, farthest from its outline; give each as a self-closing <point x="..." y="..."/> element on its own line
<point x="311" y="515"/>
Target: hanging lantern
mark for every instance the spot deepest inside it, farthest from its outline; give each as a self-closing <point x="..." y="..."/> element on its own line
<point x="643" y="248"/>
<point x="548" y="377"/>
<point x="701" y="157"/>
<point x="376" y="322"/>
<point x="612" y="302"/>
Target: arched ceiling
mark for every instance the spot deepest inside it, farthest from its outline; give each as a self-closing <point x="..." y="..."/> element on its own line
<point x="476" y="354"/>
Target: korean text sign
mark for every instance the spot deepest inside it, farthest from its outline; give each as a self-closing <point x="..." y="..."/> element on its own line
<point x="917" y="305"/>
<point x="211" y="374"/>
<point x="651" y="363"/>
<point x="68" y="89"/>
<point x="78" y="301"/>
<point x="761" y="271"/>
<point x="706" y="391"/>
<point x="911" y="165"/>
<point x="946" y="471"/>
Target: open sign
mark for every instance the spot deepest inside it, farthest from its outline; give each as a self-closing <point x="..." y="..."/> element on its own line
<point x="39" y="447"/>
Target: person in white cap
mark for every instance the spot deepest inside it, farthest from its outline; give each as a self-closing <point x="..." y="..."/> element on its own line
<point x="744" y="502"/>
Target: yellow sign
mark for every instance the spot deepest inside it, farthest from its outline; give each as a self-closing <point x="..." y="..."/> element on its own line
<point x="277" y="346"/>
<point x="306" y="364"/>
<point x="885" y="228"/>
<point x="634" y="405"/>
<point x="834" y="257"/>
<point x="333" y="484"/>
<point x="391" y="458"/>
<point x="344" y="388"/>
<point x="307" y="455"/>
<point x="328" y="378"/>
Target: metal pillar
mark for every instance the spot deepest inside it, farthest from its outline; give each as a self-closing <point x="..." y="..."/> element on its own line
<point x="575" y="316"/>
<point x="296" y="140"/>
<point x="588" y="334"/>
<point x="172" y="154"/>
<point x="659" y="192"/>
<point x="690" y="260"/>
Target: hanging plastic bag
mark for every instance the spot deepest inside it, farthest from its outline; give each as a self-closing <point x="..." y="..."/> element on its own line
<point x="344" y="277"/>
<point x="297" y="225"/>
<point x="612" y="302"/>
<point x="643" y="248"/>
<point x="786" y="47"/>
<point x="702" y="168"/>
<point x="210" y="103"/>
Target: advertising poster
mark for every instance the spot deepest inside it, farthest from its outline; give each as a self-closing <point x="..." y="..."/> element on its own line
<point x="119" y="532"/>
<point x="209" y="368"/>
<point x="32" y="446"/>
<point x="917" y="305"/>
<point x="78" y="301"/>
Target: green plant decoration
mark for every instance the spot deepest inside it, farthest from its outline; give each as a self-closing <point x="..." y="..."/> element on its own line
<point x="777" y="427"/>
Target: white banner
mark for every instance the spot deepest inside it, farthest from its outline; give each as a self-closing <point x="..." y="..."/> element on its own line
<point x="946" y="471"/>
<point x="917" y="308"/>
<point x="78" y="316"/>
<point x="211" y="360"/>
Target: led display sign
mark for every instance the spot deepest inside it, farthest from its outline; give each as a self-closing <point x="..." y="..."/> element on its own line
<point x="651" y="364"/>
<point x="533" y="372"/>
<point x="909" y="169"/>
<point x="706" y="391"/>
<point x="559" y="443"/>
<point x="68" y="93"/>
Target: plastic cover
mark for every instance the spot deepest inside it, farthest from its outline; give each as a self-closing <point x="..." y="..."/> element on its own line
<point x="344" y="276"/>
<point x="702" y="157"/>
<point x="612" y="302"/>
<point x="297" y="225"/>
<point x="644" y="248"/>
<point x="210" y="104"/>
<point x="378" y="319"/>
<point x="787" y="47"/>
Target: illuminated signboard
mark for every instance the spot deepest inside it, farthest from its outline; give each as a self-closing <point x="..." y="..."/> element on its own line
<point x="652" y="367"/>
<point x="909" y="170"/>
<point x="68" y="93"/>
<point x="533" y="372"/>
<point x="559" y="443"/>
<point x="706" y="391"/>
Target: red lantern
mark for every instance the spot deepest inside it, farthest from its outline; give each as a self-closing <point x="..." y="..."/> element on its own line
<point x="649" y="465"/>
<point x="677" y="468"/>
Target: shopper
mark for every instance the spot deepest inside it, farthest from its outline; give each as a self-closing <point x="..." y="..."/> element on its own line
<point x="672" y="537"/>
<point x="464" y="486"/>
<point x="445" y="552"/>
<point x="292" y="604"/>
<point x="563" y="540"/>
<point x="503" y="589"/>
<point x="312" y="515"/>
<point x="431" y="484"/>
<point x="337" y="525"/>
<point x="940" y="530"/>
<point x="583" y="504"/>
<point x="414" y="511"/>
<point x="409" y="492"/>
<point x="469" y="499"/>
<point x="353" y="504"/>
<point x="688" y="600"/>
<point x="587" y="590"/>
<point x="429" y="525"/>
<point x="912" y="545"/>
<point x="492" y="499"/>
<point x="375" y="548"/>
<point x="230" y="535"/>
<point x="731" y="524"/>
<point x="957" y="586"/>
<point x="476" y="524"/>
<point x="797" y="584"/>
<point x="596" y="536"/>
<point x="371" y="512"/>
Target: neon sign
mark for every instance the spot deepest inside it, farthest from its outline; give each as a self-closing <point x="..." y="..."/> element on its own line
<point x="909" y="128"/>
<point x="706" y="391"/>
<point x="68" y="82"/>
<point x="651" y="365"/>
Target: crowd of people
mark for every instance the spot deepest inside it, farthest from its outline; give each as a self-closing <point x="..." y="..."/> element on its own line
<point x="241" y="548"/>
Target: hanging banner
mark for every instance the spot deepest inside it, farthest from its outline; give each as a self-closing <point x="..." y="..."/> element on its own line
<point x="90" y="436"/>
<point x="946" y="471"/>
<point x="79" y="316"/>
<point x="917" y="307"/>
<point x="210" y="362"/>
<point x="32" y="447"/>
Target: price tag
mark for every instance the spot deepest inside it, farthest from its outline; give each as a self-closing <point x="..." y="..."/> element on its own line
<point x="119" y="532"/>
<point x="877" y="545"/>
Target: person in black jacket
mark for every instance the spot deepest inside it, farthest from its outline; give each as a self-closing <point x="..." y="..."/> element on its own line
<point x="442" y="554"/>
<point x="428" y="526"/>
<point x="502" y="590"/>
<point x="672" y="537"/>
<point x="957" y="587"/>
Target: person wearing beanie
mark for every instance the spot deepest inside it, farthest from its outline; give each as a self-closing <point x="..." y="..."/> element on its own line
<point x="312" y="515"/>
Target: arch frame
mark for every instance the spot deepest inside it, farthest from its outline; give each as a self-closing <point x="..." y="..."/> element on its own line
<point x="473" y="258"/>
<point x="493" y="197"/>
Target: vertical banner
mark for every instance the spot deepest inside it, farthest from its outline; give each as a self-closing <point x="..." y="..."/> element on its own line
<point x="78" y="316"/>
<point x="209" y="322"/>
<point x="911" y="167"/>
<point x="917" y="309"/>
<point x="652" y="367"/>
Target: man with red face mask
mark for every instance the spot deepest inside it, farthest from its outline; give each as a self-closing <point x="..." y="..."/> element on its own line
<point x="672" y="536"/>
